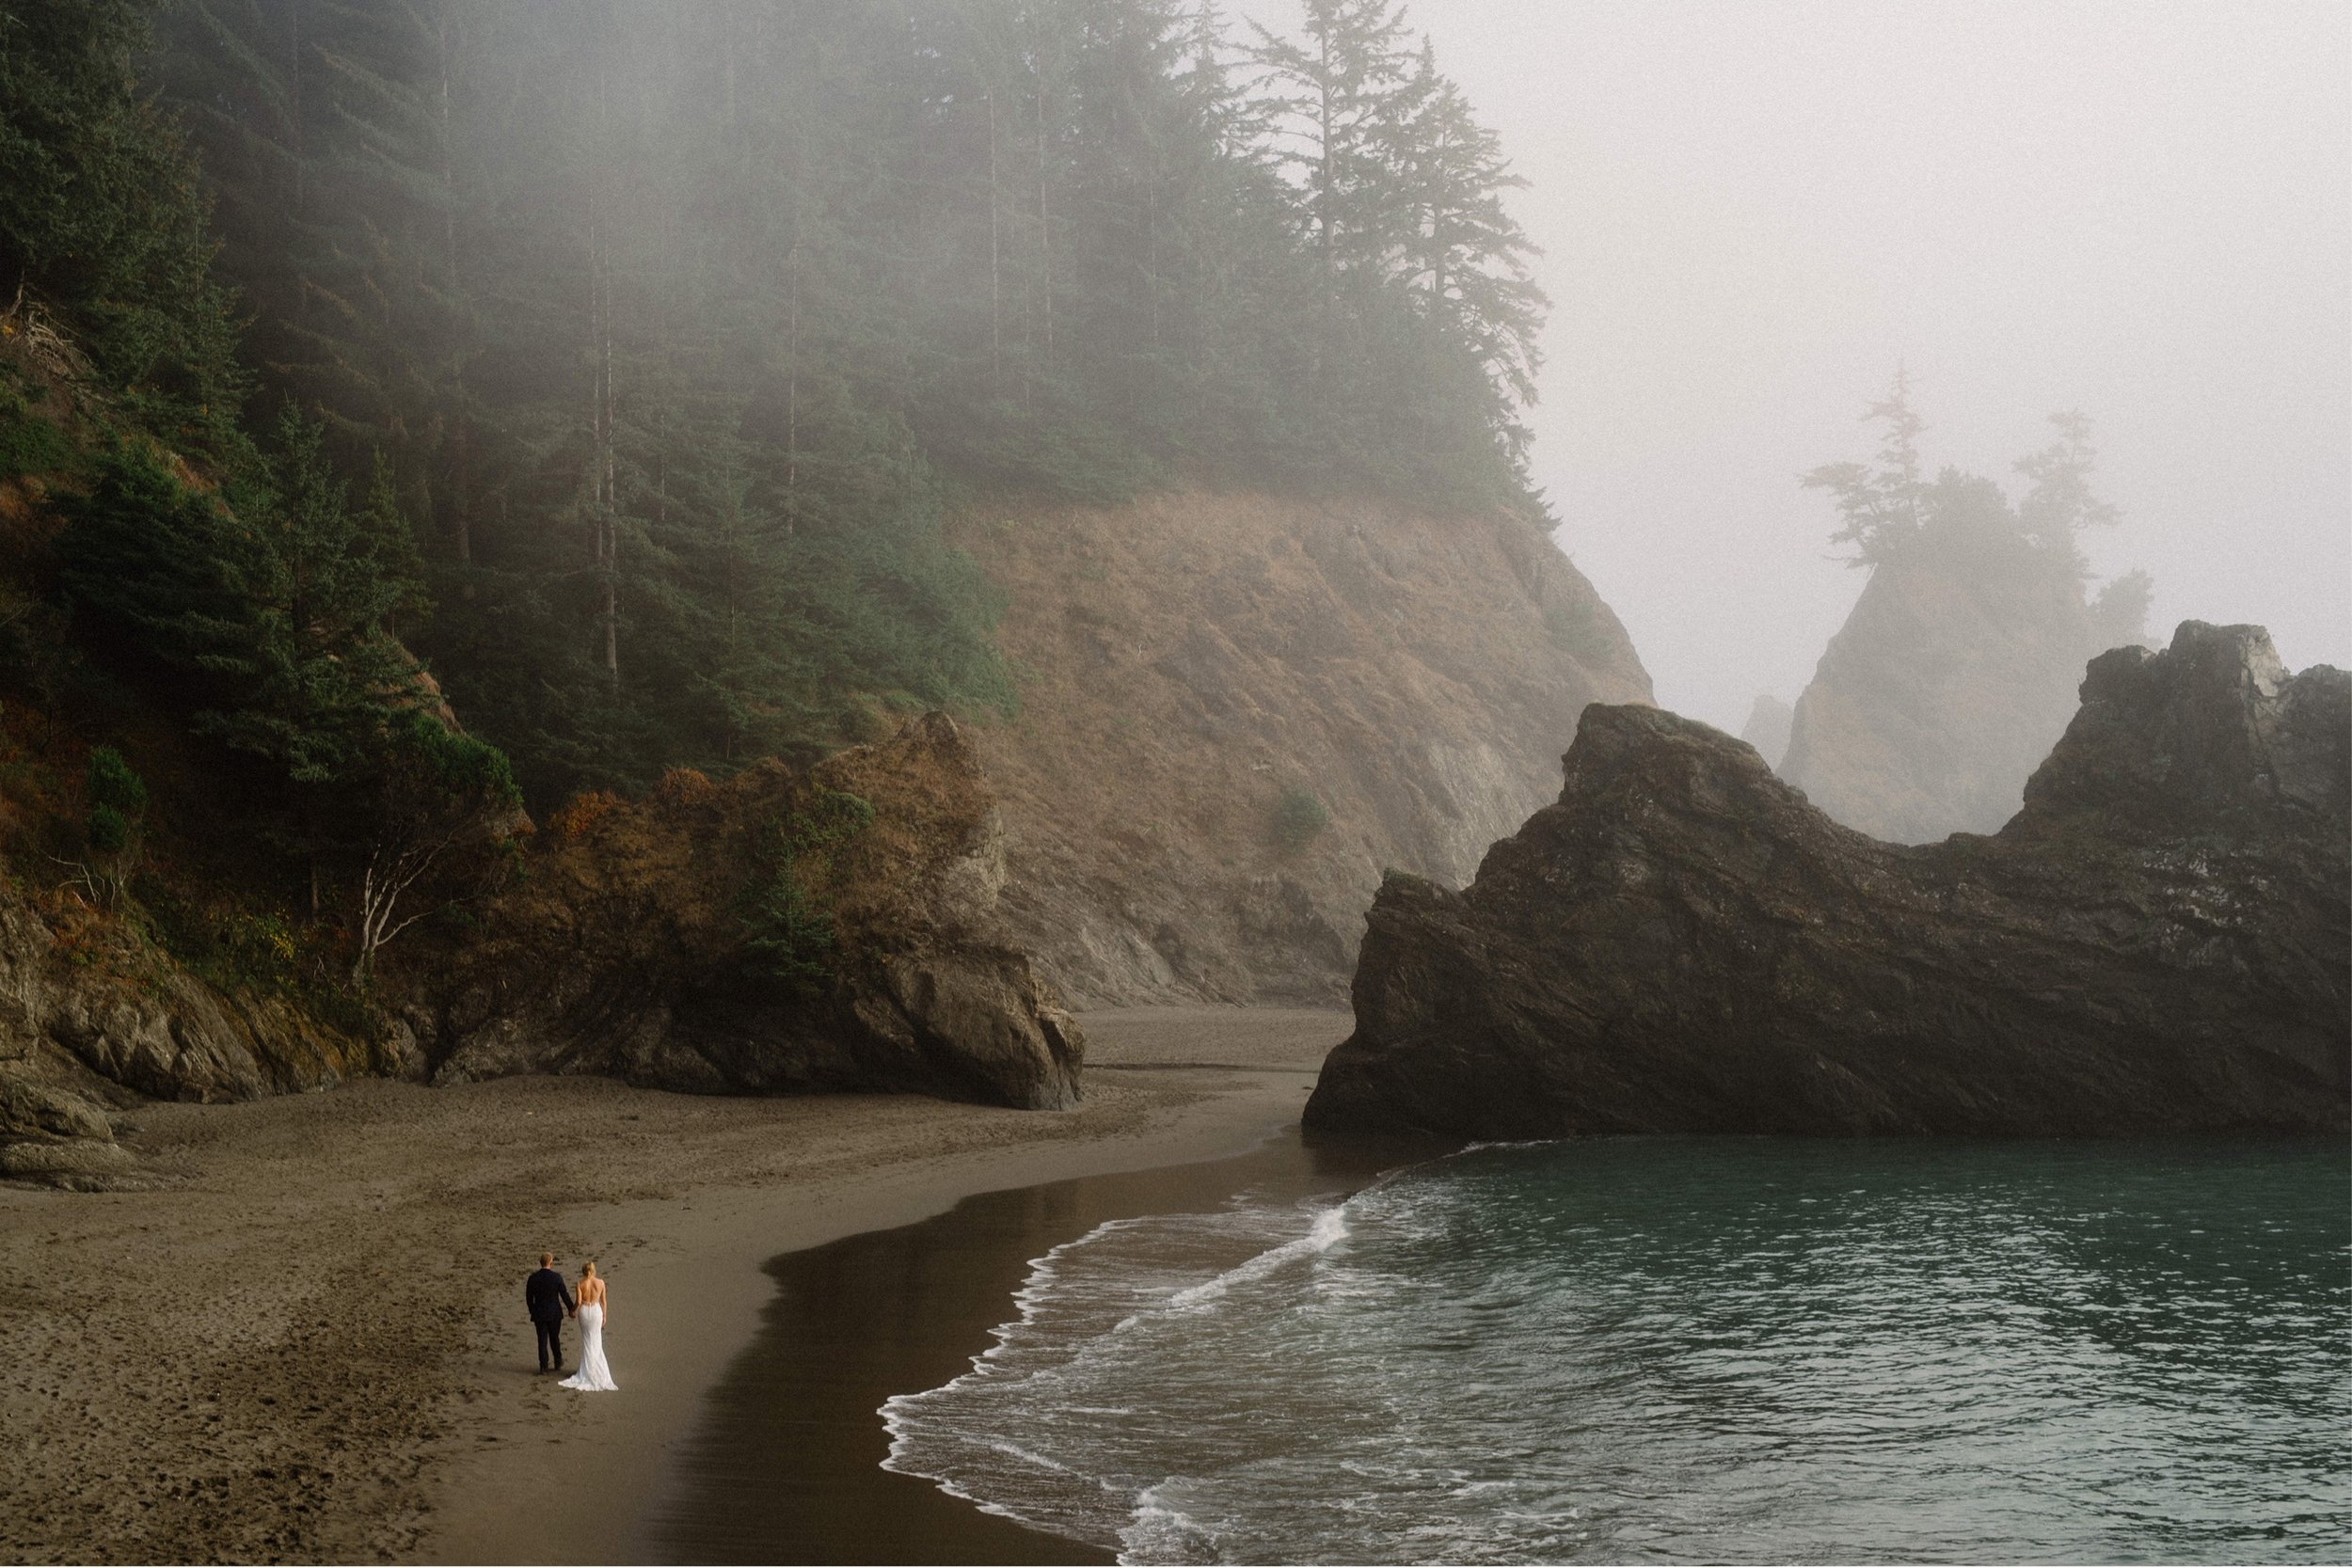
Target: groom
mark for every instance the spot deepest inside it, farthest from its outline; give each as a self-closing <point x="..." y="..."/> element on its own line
<point x="549" y="1299"/>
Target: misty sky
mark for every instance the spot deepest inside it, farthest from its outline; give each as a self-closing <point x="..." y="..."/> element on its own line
<point x="1750" y="211"/>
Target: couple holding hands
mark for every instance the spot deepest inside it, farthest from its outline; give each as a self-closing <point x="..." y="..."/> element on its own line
<point x="550" y="1302"/>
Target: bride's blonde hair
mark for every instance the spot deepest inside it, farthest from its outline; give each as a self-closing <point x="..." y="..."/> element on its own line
<point x="588" y="1268"/>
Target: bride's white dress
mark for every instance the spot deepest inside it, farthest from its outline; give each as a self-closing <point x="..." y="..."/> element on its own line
<point x="594" y="1375"/>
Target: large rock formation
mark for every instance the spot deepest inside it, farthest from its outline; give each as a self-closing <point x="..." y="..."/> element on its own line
<point x="1952" y="677"/>
<point x="619" y="948"/>
<point x="2160" y="940"/>
<point x="625" y="951"/>
<point x="1204" y="677"/>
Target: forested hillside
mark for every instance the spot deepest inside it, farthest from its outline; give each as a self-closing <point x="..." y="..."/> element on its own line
<point x="415" y="409"/>
<point x="677" y="324"/>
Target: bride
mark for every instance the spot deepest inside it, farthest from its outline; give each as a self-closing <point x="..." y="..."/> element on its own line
<point x="594" y="1375"/>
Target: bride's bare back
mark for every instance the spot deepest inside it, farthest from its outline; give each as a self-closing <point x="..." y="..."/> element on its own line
<point x="596" y="1311"/>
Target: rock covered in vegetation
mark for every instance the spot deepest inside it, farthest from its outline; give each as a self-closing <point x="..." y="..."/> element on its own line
<point x="2160" y="940"/>
<point x="1952" y="677"/>
<point x="628" y="941"/>
<point x="782" y="930"/>
<point x="93" y="1021"/>
<point x="1238" y="710"/>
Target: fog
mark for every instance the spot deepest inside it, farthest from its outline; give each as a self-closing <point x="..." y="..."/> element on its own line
<point x="1751" y="213"/>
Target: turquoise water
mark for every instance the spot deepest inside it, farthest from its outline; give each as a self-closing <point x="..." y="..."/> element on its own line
<point x="1665" y="1349"/>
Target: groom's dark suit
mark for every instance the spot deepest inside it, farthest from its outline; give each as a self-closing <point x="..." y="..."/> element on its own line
<point x="549" y="1299"/>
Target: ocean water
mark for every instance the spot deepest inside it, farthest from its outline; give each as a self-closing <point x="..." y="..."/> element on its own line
<point x="1671" y="1349"/>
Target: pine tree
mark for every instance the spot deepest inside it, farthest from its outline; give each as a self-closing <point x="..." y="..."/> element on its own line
<point x="1881" y="508"/>
<point x="261" y="610"/>
<point x="1345" y="94"/>
<point x="1471" y="262"/>
<point x="314" y="665"/>
<point x="2060" y="503"/>
<point x="327" y="136"/>
<point x="103" y="222"/>
<point x="2120" y="612"/>
<point x="386" y="542"/>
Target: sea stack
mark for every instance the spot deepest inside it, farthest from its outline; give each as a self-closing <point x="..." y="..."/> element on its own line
<point x="1768" y="727"/>
<point x="2159" y="940"/>
<point x="1953" y="675"/>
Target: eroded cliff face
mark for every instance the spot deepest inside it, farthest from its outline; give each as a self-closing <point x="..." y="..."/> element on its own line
<point x="1192" y="661"/>
<point x="1952" y="677"/>
<point x="2160" y="940"/>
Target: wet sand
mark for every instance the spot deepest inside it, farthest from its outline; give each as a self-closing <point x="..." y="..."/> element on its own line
<point x="312" y="1344"/>
<point x="784" y="1460"/>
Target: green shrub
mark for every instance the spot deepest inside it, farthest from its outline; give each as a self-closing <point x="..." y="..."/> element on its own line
<point x="28" y="443"/>
<point x="1298" y="816"/>
<point x="461" y="765"/>
<point x="118" y="799"/>
<point x="109" y="831"/>
<point x="1579" y="632"/>
<point x="831" y="819"/>
<point x="112" y="783"/>
<point x="262" y="947"/>
<point x="790" y="940"/>
<point x="455" y="920"/>
<point x="787" y="931"/>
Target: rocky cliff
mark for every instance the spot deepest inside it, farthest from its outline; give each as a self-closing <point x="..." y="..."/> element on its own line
<point x="1949" y="682"/>
<point x="2160" y="940"/>
<point x="94" y="1020"/>
<point x="1237" y="711"/>
<point x="628" y="940"/>
<point x="632" y="948"/>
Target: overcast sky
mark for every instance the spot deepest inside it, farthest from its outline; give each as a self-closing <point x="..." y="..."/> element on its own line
<point x="1750" y="211"/>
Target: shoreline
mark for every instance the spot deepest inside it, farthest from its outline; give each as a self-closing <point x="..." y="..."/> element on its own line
<point x="700" y="1310"/>
<point x="785" y="1460"/>
<point x="304" y="1346"/>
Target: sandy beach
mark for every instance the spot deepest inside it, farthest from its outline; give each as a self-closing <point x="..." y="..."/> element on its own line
<point x="310" y="1342"/>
